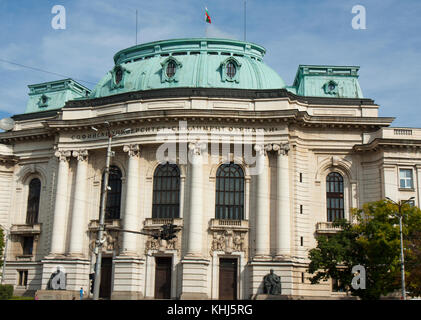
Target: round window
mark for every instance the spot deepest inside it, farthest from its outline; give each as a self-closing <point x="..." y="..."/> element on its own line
<point x="331" y="86"/>
<point x="118" y="75"/>
<point x="231" y="70"/>
<point x="171" y="69"/>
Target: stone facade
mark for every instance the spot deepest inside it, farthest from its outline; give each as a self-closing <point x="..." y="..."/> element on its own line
<point x="282" y="204"/>
<point x="295" y="143"/>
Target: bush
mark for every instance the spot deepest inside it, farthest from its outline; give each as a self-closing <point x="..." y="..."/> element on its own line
<point x="6" y="292"/>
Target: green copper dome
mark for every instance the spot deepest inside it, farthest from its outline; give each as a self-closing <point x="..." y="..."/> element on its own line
<point x="204" y="63"/>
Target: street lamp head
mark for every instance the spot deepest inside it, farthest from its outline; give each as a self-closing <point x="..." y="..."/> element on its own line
<point x="93" y="128"/>
<point x="387" y="198"/>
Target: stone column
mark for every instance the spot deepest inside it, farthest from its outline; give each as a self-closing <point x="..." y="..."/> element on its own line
<point x="194" y="245"/>
<point x="262" y="202"/>
<point x="79" y="203"/>
<point x="131" y="214"/>
<point x="283" y="210"/>
<point x="60" y="206"/>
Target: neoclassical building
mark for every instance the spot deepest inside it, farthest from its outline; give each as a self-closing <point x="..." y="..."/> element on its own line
<point x="209" y="138"/>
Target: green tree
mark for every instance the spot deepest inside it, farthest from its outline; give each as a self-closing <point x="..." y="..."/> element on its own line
<point x="413" y="265"/>
<point x="373" y="241"/>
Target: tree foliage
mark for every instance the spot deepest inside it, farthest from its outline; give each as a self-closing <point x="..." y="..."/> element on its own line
<point x="373" y="242"/>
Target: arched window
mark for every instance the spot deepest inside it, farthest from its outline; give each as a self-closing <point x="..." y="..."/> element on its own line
<point x="112" y="210"/>
<point x="171" y="68"/>
<point x="33" y="201"/>
<point x="334" y="196"/>
<point x="229" y="202"/>
<point x="231" y="70"/>
<point x="166" y="191"/>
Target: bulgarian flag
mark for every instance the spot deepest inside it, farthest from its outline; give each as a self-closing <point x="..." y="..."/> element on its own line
<point x="208" y="18"/>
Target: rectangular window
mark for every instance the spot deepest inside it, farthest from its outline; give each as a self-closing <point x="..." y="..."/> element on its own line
<point x="302" y="241"/>
<point x="27" y="246"/>
<point x="23" y="278"/>
<point x="302" y="277"/>
<point x="405" y="179"/>
<point x="301" y="177"/>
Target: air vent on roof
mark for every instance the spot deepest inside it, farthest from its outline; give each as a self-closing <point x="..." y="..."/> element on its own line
<point x="179" y="53"/>
<point x="225" y="53"/>
<point x="195" y="52"/>
<point x="238" y="55"/>
<point x="165" y="54"/>
<point x="213" y="53"/>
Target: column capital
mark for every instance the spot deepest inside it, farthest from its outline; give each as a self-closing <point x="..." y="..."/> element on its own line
<point x="63" y="155"/>
<point x="281" y="148"/>
<point x="262" y="149"/>
<point x="133" y="150"/>
<point x="80" y="155"/>
<point x="197" y="147"/>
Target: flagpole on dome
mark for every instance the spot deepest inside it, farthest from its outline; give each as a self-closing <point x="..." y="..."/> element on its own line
<point x="136" y="26"/>
<point x="245" y="20"/>
<point x="207" y="21"/>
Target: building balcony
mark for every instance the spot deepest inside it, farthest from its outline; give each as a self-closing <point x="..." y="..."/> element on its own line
<point x="326" y="228"/>
<point x="26" y="229"/>
<point x="223" y="224"/>
<point x="114" y="224"/>
<point x="154" y="223"/>
<point x="25" y="258"/>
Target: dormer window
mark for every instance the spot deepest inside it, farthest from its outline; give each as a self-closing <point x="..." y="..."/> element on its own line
<point x="230" y="70"/>
<point x="118" y="75"/>
<point x="170" y="67"/>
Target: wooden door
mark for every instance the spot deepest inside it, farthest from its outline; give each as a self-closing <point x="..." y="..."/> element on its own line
<point x="227" y="279"/>
<point x="106" y="278"/>
<point x="163" y="278"/>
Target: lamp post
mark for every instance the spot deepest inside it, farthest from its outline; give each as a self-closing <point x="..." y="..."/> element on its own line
<point x="100" y="241"/>
<point x="400" y="204"/>
<point x="101" y="228"/>
<point x="4" y="255"/>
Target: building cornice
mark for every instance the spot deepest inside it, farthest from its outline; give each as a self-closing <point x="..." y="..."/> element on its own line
<point x="291" y="116"/>
<point x="381" y="143"/>
<point x="214" y="93"/>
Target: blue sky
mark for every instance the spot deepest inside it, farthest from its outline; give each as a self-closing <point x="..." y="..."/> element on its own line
<point x="293" y="32"/>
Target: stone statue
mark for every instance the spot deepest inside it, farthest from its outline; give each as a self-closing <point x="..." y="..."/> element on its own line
<point x="221" y="243"/>
<point x="238" y="243"/>
<point x="272" y="283"/>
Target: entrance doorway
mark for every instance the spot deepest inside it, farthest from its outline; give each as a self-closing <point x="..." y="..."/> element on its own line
<point x="163" y="277"/>
<point x="227" y="279"/>
<point x="106" y="278"/>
